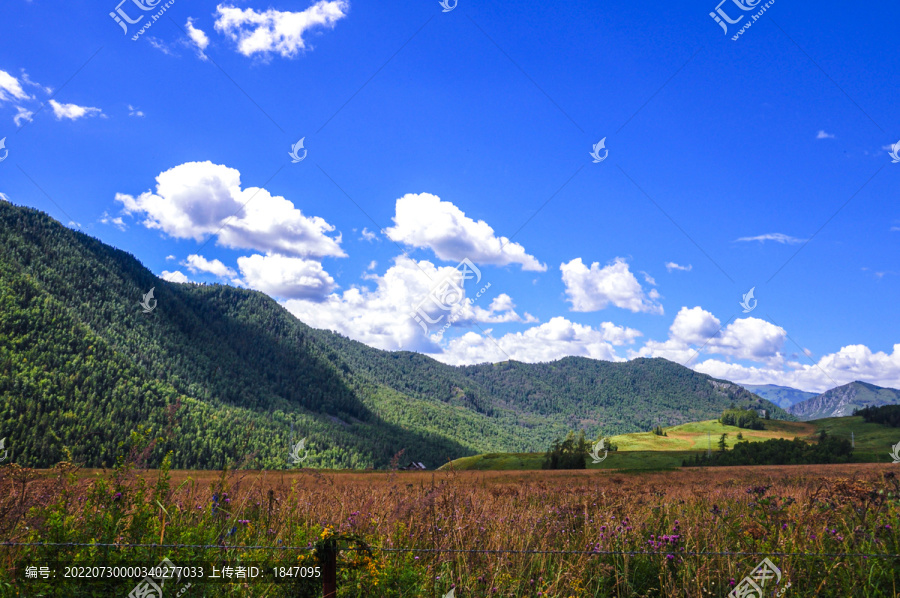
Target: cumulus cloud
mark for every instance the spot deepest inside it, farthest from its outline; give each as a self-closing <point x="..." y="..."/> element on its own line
<point x="596" y="288"/>
<point x="424" y="220"/>
<point x="286" y="277"/>
<point x="696" y="330"/>
<point x="553" y="340"/>
<point x="198" y="263"/>
<point x="276" y="31"/>
<point x="777" y="237"/>
<point x="853" y="362"/>
<point x="73" y="111"/>
<point x="367" y="235"/>
<point x="175" y="276"/>
<point x="198" y="38"/>
<point x="823" y="135"/>
<point x="383" y="315"/>
<point x="132" y="111"/>
<point x="198" y="199"/>
<point x="673" y="266"/>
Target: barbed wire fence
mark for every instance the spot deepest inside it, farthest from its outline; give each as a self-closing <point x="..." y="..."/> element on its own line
<point x="329" y="564"/>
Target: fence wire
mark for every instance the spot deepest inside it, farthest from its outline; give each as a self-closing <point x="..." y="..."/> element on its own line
<point x="467" y="550"/>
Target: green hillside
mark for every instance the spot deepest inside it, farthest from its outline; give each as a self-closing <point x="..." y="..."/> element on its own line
<point x="646" y="450"/>
<point x="218" y="375"/>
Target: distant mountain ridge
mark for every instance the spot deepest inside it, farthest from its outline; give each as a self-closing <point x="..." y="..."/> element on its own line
<point x="842" y="400"/>
<point x="225" y="376"/>
<point x="783" y="396"/>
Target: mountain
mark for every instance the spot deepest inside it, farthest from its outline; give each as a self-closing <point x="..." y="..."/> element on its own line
<point x="783" y="396"/>
<point x="222" y="376"/>
<point x="842" y="400"/>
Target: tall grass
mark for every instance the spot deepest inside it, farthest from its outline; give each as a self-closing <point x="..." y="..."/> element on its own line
<point x="661" y="517"/>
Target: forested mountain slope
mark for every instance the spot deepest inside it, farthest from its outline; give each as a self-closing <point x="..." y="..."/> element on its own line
<point x="842" y="400"/>
<point x="219" y="375"/>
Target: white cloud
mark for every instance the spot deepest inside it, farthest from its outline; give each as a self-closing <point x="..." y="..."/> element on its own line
<point x="777" y="237"/>
<point x="198" y="38"/>
<point x="22" y="114"/>
<point x="423" y="220"/>
<point x="132" y="111"/>
<point x="853" y="362"/>
<point x="648" y="279"/>
<point x="175" y="276"/>
<point x="4" y="197"/>
<point x="368" y="235"/>
<point x="10" y="88"/>
<point x="673" y="266"/>
<point x="169" y="258"/>
<point x="824" y="135"/>
<point x="372" y="265"/>
<point x="198" y="263"/>
<point x="276" y="31"/>
<point x="160" y="45"/>
<point x="113" y="221"/>
<point x="695" y="331"/>
<point x="382" y="316"/>
<point x="596" y="288"/>
<point x="72" y="111"/>
<point x="895" y="229"/>
<point x="553" y="340"/>
<point x="286" y="277"/>
<point x="198" y="199"/>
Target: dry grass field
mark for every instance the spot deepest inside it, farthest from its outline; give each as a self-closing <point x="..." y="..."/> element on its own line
<point x="572" y="533"/>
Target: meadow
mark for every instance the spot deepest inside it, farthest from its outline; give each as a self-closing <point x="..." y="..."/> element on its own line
<point x="646" y="451"/>
<point x="569" y="533"/>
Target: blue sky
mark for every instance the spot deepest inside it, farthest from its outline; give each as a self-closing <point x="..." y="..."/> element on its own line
<point x="435" y="137"/>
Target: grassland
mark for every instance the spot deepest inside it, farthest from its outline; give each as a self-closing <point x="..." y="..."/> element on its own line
<point x="648" y="451"/>
<point x="572" y="534"/>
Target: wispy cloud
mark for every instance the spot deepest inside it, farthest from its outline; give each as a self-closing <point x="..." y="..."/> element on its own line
<point x="673" y="266"/>
<point x="824" y="135"/>
<point x="777" y="237"/>
<point x="73" y="111"/>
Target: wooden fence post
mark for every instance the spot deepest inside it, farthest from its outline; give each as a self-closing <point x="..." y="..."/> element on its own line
<point x="328" y="561"/>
